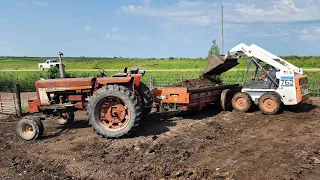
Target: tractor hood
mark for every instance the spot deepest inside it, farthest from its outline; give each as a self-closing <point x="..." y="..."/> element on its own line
<point x="65" y="84"/>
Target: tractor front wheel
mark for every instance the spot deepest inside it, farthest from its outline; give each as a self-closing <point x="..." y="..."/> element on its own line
<point x="242" y="102"/>
<point x="270" y="103"/>
<point x="114" y="111"/>
<point x="29" y="129"/>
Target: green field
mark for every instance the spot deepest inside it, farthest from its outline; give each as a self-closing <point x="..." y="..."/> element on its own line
<point x="163" y="71"/>
<point x="27" y="63"/>
<point x="27" y="79"/>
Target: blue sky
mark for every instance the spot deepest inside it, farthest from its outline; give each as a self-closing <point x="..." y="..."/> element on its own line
<point x="155" y="28"/>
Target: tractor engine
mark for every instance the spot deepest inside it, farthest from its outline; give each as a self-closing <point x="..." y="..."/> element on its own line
<point x="61" y="94"/>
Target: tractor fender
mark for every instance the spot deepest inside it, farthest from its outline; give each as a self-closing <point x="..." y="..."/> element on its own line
<point x="115" y="80"/>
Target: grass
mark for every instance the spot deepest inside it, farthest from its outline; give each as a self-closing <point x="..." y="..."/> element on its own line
<point x="161" y="78"/>
<point x="27" y="79"/>
<point x="18" y="63"/>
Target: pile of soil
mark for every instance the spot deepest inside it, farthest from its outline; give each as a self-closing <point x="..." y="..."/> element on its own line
<point x="195" y="83"/>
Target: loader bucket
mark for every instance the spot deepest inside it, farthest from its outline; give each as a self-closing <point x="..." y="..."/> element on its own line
<point x="218" y="65"/>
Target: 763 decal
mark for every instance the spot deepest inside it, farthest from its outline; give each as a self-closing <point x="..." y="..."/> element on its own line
<point x="286" y="81"/>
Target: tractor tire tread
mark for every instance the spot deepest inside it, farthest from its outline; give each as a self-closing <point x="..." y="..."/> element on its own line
<point x="135" y="112"/>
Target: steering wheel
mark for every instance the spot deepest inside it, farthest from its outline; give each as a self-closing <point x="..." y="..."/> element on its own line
<point x="103" y="73"/>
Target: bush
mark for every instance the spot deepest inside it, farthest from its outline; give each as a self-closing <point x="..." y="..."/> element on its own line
<point x="53" y="73"/>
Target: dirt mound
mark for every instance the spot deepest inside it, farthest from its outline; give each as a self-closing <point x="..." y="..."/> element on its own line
<point x="195" y="83"/>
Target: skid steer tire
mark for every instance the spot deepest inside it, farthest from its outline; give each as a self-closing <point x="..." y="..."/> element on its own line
<point x="146" y="99"/>
<point x="242" y="102"/>
<point x="28" y="129"/>
<point x="226" y="100"/>
<point x="270" y="103"/>
<point x="110" y="103"/>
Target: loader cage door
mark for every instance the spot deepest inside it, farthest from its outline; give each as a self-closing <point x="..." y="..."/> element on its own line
<point x="260" y="75"/>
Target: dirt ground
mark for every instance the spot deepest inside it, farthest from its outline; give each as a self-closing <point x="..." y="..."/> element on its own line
<point x="206" y="145"/>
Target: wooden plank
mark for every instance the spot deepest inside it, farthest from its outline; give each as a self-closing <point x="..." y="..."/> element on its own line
<point x="8" y="108"/>
<point x="7" y="104"/>
<point x="8" y="112"/>
<point x="7" y="98"/>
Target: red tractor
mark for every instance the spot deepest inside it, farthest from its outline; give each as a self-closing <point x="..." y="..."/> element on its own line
<point x="115" y="105"/>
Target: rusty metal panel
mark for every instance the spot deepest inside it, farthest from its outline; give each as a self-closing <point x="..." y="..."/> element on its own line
<point x="112" y="80"/>
<point x="64" y="82"/>
<point x="171" y="95"/>
<point x="75" y="97"/>
<point x="34" y="105"/>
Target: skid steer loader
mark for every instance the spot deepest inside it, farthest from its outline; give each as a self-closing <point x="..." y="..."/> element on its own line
<point x="273" y="82"/>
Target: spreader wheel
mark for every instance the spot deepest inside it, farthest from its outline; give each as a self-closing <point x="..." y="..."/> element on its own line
<point x="114" y="111"/>
<point x="146" y="99"/>
<point x="242" y="102"/>
<point x="270" y="103"/>
<point x="65" y="118"/>
<point x="29" y="129"/>
<point x="226" y="100"/>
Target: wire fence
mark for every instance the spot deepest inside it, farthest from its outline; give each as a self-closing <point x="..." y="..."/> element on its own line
<point x="6" y="87"/>
<point x="314" y="82"/>
<point x="157" y="80"/>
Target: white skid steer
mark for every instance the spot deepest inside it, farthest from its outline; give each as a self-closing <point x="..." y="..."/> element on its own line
<point x="273" y="82"/>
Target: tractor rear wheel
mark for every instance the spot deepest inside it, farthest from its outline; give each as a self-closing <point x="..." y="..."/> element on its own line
<point x="242" y="102"/>
<point x="114" y="111"/>
<point x="29" y="129"/>
<point x="270" y="103"/>
<point x="146" y="99"/>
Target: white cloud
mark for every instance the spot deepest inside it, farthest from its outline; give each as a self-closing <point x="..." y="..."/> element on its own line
<point x="108" y="35"/>
<point x="146" y="2"/>
<point x="309" y="34"/>
<point x="87" y="27"/>
<point x="114" y="35"/>
<point x="185" y="12"/>
<point x="204" y="13"/>
<point x="275" y="11"/>
<point x="40" y="3"/>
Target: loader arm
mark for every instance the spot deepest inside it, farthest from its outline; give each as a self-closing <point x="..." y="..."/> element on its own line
<point x="256" y="52"/>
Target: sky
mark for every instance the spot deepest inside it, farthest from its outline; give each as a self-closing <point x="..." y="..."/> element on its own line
<point x="156" y="28"/>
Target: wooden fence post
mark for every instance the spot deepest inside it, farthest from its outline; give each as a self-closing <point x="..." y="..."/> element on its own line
<point x="18" y="98"/>
<point x="151" y="82"/>
<point x="318" y="86"/>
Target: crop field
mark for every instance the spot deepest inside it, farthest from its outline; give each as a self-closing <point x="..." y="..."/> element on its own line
<point x="30" y="63"/>
<point x="26" y="79"/>
<point x="23" y="70"/>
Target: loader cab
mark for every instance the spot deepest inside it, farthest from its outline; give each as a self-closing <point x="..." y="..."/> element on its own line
<point x="260" y="75"/>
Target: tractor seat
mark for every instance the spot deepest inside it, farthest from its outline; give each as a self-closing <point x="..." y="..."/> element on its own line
<point x="120" y="75"/>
